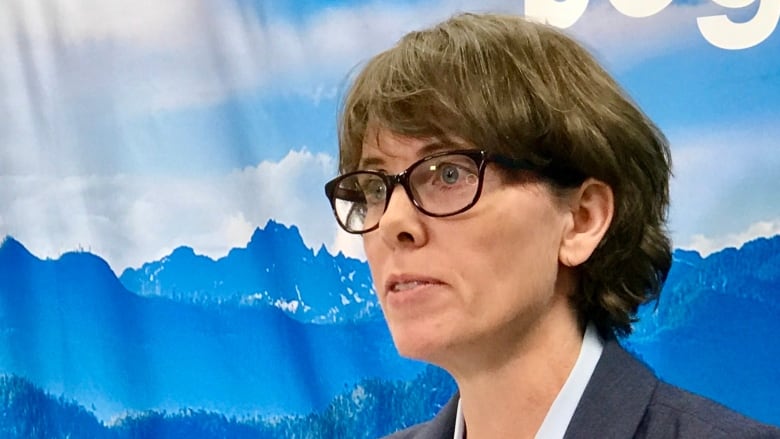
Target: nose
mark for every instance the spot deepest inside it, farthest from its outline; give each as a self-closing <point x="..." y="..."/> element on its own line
<point x="402" y="224"/>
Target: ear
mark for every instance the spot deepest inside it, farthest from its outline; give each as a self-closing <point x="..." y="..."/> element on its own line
<point x="591" y="208"/>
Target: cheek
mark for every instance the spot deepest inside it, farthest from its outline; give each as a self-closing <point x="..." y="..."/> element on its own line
<point x="371" y="243"/>
<point x="520" y="255"/>
<point x="374" y="256"/>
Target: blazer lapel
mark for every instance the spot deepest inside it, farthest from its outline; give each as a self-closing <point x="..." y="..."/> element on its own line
<point x="443" y="425"/>
<point x="616" y="397"/>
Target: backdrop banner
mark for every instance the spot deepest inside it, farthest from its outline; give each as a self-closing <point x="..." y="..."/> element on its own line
<point x="170" y="266"/>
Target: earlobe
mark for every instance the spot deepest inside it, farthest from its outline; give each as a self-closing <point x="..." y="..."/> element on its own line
<point x="591" y="208"/>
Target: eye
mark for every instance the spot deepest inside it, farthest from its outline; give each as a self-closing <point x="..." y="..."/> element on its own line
<point x="375" y="190"/>
<point x="449" y="173"/>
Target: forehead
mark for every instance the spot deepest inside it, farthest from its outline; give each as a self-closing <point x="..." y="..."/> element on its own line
<point x="381" y="146"/>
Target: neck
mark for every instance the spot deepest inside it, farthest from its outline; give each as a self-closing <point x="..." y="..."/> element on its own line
<point x="509" y="392"/>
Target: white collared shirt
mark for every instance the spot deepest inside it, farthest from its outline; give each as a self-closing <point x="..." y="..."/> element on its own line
<point x="562" y="409"/>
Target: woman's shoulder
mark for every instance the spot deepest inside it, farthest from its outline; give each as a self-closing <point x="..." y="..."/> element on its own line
<point x="678" y="412"/>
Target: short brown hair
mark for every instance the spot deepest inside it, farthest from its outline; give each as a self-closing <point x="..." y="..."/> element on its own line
<point x="526" y="90"/>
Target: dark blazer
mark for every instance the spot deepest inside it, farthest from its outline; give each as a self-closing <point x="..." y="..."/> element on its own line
<point x="624" y="400"/>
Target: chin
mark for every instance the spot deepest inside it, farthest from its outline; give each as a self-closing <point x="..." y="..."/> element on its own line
<point x="418" y="353"/>
<point x="419" y="345"/>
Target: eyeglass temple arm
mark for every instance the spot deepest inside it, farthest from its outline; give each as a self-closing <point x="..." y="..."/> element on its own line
<point x="510" y="162"/>
<point x="352" y="195"/>
<point x="562" y="175"/>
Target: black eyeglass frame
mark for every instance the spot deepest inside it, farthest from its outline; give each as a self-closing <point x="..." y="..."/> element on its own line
<point x="480" y="157"/>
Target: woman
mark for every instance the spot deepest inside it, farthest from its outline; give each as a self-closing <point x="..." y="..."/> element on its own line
<point x="512" y="202"/>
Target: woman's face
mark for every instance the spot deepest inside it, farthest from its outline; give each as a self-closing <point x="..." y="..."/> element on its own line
<point x="474" y="282"/>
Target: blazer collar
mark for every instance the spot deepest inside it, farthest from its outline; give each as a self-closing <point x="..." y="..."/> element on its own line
<point x="612" y="405"/>
<point x="616" y="397"/>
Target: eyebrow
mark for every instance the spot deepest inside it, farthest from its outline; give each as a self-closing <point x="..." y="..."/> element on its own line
<point x="433" y="146"/>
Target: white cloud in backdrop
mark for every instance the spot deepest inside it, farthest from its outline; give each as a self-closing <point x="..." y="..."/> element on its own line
<point x="725" y="188"/>
<point x="708" y="245"/>
<point x="129" y="220"/>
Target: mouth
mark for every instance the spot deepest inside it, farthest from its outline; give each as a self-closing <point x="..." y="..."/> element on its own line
<point x="400" y="285"/>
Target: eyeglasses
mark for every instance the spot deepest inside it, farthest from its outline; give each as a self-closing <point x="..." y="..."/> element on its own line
<point x="439" y="185"/>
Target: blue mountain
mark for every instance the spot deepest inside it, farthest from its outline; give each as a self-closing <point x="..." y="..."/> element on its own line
<point x="274" y="269"/>
<point x="29" y="412"/>
<point x="69" y="326"/>
<point x="715" y="328"/>
<point x="370" y="409"/>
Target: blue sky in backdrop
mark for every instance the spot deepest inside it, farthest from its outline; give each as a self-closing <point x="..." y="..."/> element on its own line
<point x="131" y="127"/>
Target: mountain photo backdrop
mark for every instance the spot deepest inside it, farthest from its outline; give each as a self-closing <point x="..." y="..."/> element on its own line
<point x="170" y="267"/>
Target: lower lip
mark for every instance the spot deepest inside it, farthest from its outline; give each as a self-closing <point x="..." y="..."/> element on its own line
<point x="412" y="296"/>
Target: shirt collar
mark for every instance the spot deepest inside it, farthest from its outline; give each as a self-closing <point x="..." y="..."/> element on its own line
<point x="562" y="409"/>
<point x="460" y="424"/>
